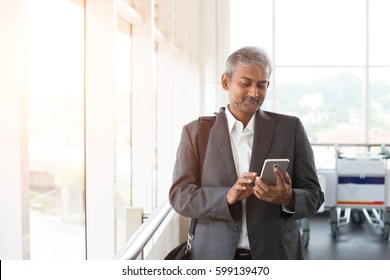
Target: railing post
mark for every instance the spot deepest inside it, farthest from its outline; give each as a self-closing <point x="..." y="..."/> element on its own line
<point x="133" y="223"/>
<point x="141" y="237"/>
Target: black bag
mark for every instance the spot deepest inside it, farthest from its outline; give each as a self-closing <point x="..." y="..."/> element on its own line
<point x="180" y="252"/>
<point x="183" y="250"/>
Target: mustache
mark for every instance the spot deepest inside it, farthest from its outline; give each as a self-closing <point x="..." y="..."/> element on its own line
<point x="250" y="98"/>
<point x="247" y="98"/>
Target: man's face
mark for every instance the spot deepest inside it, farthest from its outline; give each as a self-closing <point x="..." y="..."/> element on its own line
<point x="246" y="88"/>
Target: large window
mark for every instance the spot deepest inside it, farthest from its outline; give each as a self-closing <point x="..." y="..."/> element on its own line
<point x="122" y="138"/>
<point x="329" y="101"/>
<point x="56" y="129"/>
<point x="331" y="62"/>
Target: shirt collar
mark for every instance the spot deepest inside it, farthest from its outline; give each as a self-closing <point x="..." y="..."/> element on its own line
<point x="232" y="121"/>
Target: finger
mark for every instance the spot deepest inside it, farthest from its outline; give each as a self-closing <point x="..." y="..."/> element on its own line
<point x="258" y="191"/>
<point x="245" y="181"/>
<point x="278" y="175"/>
<point x="287" y="178"/>
<point x="239" y="188"/>
<point x="249" y="175"/>
<point x="258" y="182"/>
<point x="262" y="184"/>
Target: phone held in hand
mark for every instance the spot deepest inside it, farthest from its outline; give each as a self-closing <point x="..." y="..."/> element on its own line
<point x="267" y="173"/>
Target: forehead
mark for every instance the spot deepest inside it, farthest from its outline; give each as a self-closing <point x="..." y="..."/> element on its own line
<point x="253" y="72"/>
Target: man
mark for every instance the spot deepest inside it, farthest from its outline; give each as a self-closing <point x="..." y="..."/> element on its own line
<point x="239" y="216"/>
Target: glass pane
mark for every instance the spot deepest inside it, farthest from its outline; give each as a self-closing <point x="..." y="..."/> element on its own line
<point x="56" y="129"/>
<point x="251" y="24"/>
<point x="269" y="102"/>
<point x="329" y="101"/>
<point x="379" y="121"/>
<point x="322" y="32"/>
<point x="379" y="30"/>
<point x="122" y="128"/>
<point x="325" y="156"/>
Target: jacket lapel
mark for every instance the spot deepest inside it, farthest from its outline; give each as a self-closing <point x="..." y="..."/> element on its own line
<point x="223" y="146"/>
<point x="264" y="133"/>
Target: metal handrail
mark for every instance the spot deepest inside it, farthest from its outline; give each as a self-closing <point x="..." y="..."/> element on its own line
<point x="141" y="237"/>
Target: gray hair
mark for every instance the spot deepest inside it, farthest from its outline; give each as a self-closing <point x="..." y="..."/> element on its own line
<point x="248" y="56"/>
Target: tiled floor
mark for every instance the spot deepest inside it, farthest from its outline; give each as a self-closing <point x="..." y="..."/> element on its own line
<point x="353" y="242"/>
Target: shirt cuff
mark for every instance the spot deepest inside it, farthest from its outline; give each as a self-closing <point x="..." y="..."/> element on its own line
<point x="287" y="210"/>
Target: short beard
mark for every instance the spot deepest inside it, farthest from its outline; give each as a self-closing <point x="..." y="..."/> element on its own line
<point x="253" y="100"/>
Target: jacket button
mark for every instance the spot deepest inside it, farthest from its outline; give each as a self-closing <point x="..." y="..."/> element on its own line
<point x="235" y="228"/>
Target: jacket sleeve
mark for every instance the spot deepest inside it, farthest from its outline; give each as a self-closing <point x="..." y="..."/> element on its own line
<point x="187" y="195"/>
<point x="307" y="191"/>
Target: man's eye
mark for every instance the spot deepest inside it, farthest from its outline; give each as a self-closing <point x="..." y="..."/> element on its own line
<point x="245" y="84"/>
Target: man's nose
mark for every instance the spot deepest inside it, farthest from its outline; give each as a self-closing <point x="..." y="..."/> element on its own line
<point x="253" y="91"/>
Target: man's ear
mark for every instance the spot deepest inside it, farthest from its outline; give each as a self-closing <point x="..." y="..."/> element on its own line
<point x="225" y="81"/>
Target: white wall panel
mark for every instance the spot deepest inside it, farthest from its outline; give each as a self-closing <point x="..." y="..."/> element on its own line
<point x="14" y="226"/>
<point x="99" y="119"/>
<point x="142" y="107"/>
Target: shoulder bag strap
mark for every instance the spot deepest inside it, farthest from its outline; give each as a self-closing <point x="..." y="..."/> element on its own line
<point x="205" y="125"/>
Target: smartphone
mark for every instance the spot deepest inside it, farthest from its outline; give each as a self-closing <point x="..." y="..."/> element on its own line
<point x="267" y="173"/>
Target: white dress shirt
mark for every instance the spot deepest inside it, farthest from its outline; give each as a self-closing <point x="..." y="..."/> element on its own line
<point x="241" y="140"/>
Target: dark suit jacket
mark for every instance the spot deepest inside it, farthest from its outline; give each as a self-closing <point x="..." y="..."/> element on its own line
<point x="273" y="233"/>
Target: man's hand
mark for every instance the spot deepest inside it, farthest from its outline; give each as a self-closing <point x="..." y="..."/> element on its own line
<point x="241" y="189"/>
<point x="280" y="194"/>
